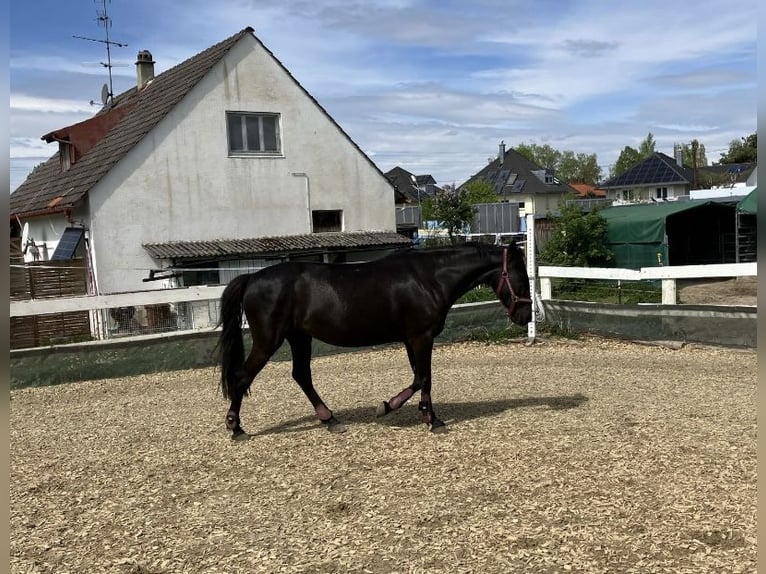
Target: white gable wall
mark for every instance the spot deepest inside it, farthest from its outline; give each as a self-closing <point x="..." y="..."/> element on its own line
<point x="179" y="183"/>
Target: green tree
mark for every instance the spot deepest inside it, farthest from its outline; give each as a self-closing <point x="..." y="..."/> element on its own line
<point x="628" y="158"/>
<point x="646" y="147"/>
<point x="566" y="165"/>
<point x="451" y="208"/>
<point x="693" y="154"/>
<point x="578" y="239"/>
<point x="479" y="191"/>
<point x="744" y="150"/>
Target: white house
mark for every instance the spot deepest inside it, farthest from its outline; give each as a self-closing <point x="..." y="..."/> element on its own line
<point x="222" y="162"/>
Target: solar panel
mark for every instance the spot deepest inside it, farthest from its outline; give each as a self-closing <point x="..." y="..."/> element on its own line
<point x="67" y="246"/>
<point x="500" y="181"/>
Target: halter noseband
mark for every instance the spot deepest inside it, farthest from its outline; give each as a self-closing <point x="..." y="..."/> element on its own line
<point x="505" y="280"/>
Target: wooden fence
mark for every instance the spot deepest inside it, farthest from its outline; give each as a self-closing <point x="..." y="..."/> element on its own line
<point x="47" y="280"/>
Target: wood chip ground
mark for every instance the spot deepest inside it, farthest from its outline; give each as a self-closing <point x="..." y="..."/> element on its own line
<point x="589" y="456"/>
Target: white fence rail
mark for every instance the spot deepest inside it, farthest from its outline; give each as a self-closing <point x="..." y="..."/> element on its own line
<point x="92" y="302"/>
<point x="668" y="275"/>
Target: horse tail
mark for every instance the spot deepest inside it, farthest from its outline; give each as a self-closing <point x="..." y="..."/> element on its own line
<point x="231" y="348"/>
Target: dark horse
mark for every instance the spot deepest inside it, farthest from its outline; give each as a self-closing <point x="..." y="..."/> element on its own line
<point x="402" y="297"/>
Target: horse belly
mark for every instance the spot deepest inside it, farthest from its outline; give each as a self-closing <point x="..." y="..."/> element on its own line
<point x="353" y="329"/>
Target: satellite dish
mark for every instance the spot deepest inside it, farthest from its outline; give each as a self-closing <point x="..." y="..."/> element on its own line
<point x="105" y="94"/>
<point x="24" y="236"/>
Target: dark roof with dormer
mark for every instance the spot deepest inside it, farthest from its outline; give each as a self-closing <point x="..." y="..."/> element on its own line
<point x="407" y="192"/>
<point x="515" y="174"/>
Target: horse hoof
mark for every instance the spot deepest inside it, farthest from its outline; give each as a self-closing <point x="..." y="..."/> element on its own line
<point x="336" y="428"/>
<point x="334" y="425"/>
<point x="240" y="436"/>
<point x="438" y="427"/>
<point x="383" y="409"/>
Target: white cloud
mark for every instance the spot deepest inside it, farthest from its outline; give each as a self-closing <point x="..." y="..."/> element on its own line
<point x="21" y="102"/>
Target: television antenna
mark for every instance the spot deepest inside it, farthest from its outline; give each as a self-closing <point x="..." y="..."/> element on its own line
<point x="107" y="92"/>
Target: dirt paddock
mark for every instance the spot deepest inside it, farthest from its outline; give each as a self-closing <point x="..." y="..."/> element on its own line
<point x="589" y="456"/>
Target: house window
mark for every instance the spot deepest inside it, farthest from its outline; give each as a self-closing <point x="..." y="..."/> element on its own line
<point x="327" y="220"/>
<point x="253" y="134"/>
<point x="66" y="152"/>
<point x="662" y="193"/>
<point x="207" y="275"/>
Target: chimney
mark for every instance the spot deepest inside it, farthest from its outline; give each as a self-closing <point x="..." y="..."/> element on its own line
<point x="501" y="152"/>
<point x="144" y="68"/>
<point x="678" y="151"/>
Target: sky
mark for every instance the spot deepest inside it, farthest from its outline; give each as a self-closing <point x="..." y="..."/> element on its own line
<point x="432" y="86"/>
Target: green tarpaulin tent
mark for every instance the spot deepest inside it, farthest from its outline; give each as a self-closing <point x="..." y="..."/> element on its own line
<point x="638" y="234"/>
<point x="749" y="204"/>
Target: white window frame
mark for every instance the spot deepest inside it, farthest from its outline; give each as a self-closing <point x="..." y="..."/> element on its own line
<point x="261" y="152"/>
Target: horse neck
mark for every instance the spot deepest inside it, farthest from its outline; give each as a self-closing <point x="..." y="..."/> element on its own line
<point x="460" y="272"/>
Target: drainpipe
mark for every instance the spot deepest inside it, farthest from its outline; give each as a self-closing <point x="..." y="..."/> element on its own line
<point x="308" y="198"/>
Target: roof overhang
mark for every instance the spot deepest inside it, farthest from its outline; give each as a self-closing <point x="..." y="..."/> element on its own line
<point x="268" y="247"/>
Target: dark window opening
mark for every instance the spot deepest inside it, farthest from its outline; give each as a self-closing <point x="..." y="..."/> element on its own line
<point x="207" y="275"/>
<point x="329" y="220"/>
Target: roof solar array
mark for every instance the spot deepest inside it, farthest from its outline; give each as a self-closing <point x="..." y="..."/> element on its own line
<point x="651" y="171"/>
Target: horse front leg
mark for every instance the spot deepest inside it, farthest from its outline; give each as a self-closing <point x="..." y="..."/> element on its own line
<point x="419" y="352"/>
<point x="423" y="350"/>
<point x="405" y="394"/>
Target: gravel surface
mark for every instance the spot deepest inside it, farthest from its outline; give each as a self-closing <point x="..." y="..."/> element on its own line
<point x="591" y="456"/>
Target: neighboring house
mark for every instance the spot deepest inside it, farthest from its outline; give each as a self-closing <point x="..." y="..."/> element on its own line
<point x="219" y="164"/>
<point x="662" y="178"/>
<point x="732" y="175"/>
<point x="410" y="190"/>
<point x="519" y="180"/>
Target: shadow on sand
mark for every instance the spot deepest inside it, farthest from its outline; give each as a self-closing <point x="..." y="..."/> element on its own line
<point x="407" y="416"/>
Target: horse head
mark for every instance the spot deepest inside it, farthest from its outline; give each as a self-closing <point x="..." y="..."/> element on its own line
<point x="512" y="285"/>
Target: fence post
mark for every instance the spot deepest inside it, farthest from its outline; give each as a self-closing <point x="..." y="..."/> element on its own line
<point x="669" y="292"/>
<point x="531" y="329"/>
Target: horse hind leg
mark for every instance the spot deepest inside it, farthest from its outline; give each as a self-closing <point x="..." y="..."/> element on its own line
<point x="253" y="365"/>
<point x="300" y="345"/>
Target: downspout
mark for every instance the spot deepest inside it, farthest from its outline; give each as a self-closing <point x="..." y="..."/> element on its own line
<point x="308" y="198"/>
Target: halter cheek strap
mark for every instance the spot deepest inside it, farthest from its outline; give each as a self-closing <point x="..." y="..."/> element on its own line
<point x="506" y="280"/>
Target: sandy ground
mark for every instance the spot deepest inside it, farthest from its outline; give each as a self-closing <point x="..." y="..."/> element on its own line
<point x="588" y="456"/>
<point x="737" y="291"/>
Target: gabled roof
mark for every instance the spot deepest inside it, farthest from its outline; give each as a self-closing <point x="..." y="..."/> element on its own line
<point x="405" y="190"/>
<point x="654" y="170"/>
<point x="47" y="189"/>
<point x="516" y="174"/>
<point x="276" y="246"/>
<point x="46" y="184"/>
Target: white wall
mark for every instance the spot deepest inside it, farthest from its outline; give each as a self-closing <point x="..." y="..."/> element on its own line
<point x="46" y="232"/>
<point x="179" y="183"/>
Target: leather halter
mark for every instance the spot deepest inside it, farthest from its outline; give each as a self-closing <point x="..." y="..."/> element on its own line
<point x="505" y="280"/>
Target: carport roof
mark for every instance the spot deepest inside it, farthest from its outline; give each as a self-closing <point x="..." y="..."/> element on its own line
<point x="275" y="246"/>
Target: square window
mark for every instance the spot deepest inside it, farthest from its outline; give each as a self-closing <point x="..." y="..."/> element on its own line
<point x="253" y="133"/>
